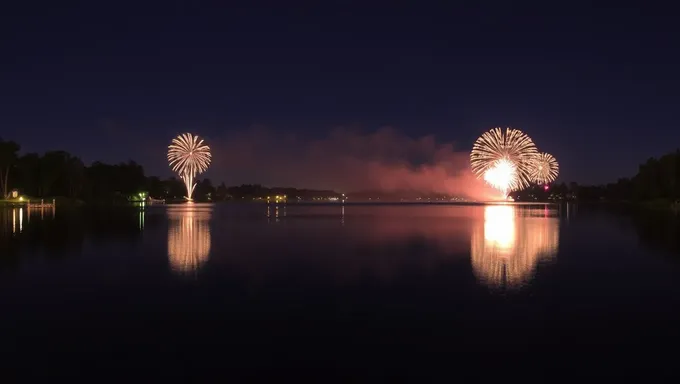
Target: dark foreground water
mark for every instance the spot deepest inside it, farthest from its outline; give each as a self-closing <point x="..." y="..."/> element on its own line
<point x="464" y="293"/>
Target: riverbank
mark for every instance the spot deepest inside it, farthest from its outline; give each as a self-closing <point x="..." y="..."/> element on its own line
<point x="657" y="205"/>
<point x="62" y="202"/>
<point x="660" y="205"/>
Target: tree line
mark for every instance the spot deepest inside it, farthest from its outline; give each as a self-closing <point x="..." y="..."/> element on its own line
<point x="657" y="179"/>
<point x="59" y="173"/>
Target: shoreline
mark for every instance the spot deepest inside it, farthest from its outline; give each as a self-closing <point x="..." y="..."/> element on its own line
<point x="655" y="205"/>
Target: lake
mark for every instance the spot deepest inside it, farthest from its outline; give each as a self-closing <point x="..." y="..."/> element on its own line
<point x="339" y="292"/>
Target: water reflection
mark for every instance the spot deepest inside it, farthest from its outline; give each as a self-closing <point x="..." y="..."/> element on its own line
<point x="275" y="213"/>
<point x="8" y="224"/>
<point x="15" y="219"/>
<point x="658" y="230"/>
<point x="142" y="214"/>
<point x="511" y="242"/>
<point x="349" y="242"/>
<point x="188" y="236"/>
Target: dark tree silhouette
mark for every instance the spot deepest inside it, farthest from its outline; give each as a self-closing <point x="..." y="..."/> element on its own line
<point x="8" y="157"/>
<point x="656" y="180"/>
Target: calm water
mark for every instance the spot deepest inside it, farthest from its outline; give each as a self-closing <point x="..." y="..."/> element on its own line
<point x="337" y="293"/>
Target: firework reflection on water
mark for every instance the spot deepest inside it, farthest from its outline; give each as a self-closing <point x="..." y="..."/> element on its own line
<point x="189" y="237"/>
<point x="506" y="249"/>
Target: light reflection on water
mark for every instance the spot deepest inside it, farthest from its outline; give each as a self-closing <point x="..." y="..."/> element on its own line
<point x="506" y="249"/>
<point x="275" y="212"/>
<point x="505" y="242"/>
<point x="16" y="218"/>
<point x="189" y="238"/>
<point x="321" y="284"/>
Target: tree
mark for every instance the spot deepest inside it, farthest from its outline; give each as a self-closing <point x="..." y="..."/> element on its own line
<point x="8" y="157"/>
<point x="75" y="173"/>
<point x="155" y="187"/>
<point x="28" y="172"/>
<point x="174" y="188"/>
<point x="221" y="193"/>
<point x="205" y="189"/>
<point x="53" y="169"/>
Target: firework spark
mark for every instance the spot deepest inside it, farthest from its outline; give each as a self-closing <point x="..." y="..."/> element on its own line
<point x="503" y="158"/>
<point x="188" y="156"/>
<point x="501" y="174"/>
<point x="544" y="169"/>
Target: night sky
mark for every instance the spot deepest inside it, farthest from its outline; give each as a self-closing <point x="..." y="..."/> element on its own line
<point x="113" y="81"/>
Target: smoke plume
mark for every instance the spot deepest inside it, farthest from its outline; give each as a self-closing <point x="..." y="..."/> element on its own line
<point x="346" y="161"/>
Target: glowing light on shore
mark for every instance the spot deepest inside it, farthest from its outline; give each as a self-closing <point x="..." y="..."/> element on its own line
<point x="188" y="156"/>
<point x="503" y="159"/>
<point x="544" y="169"/>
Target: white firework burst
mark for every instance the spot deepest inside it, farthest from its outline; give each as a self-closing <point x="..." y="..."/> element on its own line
<point x="189" y="156"/>
<point x="497" y="146"/>
<point x="544" y="169"/>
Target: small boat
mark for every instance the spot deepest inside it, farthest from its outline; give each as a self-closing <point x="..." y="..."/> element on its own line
<point x="156" y="201"/>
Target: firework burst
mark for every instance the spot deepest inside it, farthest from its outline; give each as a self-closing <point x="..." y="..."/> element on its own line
<point x="544" y="169"/>
<point x="188" y="156"/>
<point x="504" y="158"/>
<point x="501" y="174"/>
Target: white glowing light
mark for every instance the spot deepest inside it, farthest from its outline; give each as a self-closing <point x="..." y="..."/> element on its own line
<point x="501" y="175"/>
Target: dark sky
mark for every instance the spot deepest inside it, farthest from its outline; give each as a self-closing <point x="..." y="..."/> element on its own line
<point x="596" y="87"/>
